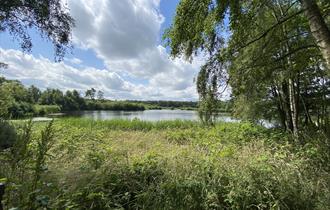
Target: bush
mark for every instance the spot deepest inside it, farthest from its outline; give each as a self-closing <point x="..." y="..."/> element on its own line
<point x="24" y="165"/>
<point x="46" y="109"/>
<point x="7" y="135"/>
<point x="20" y="109"/>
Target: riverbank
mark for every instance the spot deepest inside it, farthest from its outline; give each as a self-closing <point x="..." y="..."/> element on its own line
<point x="120" y="164"/>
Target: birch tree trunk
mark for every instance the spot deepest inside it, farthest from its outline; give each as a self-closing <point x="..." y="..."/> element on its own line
<point x="318" y="27"/>
<point x="293" y="108"/>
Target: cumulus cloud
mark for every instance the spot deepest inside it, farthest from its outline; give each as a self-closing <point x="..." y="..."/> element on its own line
<point x="46" y="74"/>
<point x="76" y="61"/>
<point x="122" y="29"/>
<point x="125" y="35"/>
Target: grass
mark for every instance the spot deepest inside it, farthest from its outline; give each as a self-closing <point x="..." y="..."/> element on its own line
<point x="130" y="125"/>
<point x="120" y="164"/>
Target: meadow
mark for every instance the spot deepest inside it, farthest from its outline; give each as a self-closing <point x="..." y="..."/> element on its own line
<point x="119" y="164"/>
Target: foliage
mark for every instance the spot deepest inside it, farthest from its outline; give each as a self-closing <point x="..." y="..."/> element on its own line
<point x="173" y="165"/>
<point x="168" y="104"/>
<point x="18" y="101"/>
<point x="42" y="110"/>
<point x="100" y="95"/>
<point x="265" y="51"/>
<point x="202" y="25"/>
<point x="50" y="18"/>
<point x="24" y="164"/>
<point x="114" y="105"/>
<point x="5" y="101"/>
<point x="90" y="93"/>
<point x="208" y="105"/>
<point x="7" y="135"/>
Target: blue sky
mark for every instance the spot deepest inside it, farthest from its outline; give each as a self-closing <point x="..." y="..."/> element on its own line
<point x="117" y="49"/>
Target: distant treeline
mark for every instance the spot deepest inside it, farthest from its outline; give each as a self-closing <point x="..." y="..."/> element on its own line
<point x="222" y="106"/>
<point x="112" y="105"/>
<point x="168" y="104"/>
<point x="18" y="101"/>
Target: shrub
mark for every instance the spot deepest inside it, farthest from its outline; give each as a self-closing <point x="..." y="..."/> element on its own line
<point x="7" y="135"/>
<point x="23" y="166"/>
<point x="20" y="109"/>
<point x="46" y="109"/>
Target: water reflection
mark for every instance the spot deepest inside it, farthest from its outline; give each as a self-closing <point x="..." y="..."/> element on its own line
<point x="148" y="115"/>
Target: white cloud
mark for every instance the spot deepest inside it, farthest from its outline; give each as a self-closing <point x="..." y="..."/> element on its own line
<point x="76" y="61"/>
<point x="116" y="29"/>
<point x="125" y="35"/>
<point x="46" y="74"/>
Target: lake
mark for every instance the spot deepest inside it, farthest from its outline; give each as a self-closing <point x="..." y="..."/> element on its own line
<point x="147" y="115"/>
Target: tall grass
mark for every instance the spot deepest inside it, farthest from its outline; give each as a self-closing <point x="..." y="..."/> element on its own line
<point x="134" y="125"/>
<point x="122" y="164"/>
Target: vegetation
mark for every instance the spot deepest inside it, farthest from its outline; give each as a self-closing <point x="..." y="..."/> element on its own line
<point x="17" y="101"/>
<point x="168" y="104"/>
<point x="269" y="53"/>
<point x="7" y="135"/>
<point x="42" y="110"/>
<point x="85" y="164"/>
<point x="274" y="55"/>
<point x="114" y="106"/>
<point x="50" y="18"/>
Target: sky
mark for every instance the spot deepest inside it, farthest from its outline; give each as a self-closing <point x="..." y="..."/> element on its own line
<point x="118" y="49"/>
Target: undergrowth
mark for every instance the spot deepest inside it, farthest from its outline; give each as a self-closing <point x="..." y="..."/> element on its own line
<point x="118" y="164"/>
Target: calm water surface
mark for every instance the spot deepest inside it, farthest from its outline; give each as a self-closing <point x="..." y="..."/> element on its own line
<point x="147" y="115"/>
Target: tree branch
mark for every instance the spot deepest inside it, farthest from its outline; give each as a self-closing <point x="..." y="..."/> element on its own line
<point x="270" y="29"/>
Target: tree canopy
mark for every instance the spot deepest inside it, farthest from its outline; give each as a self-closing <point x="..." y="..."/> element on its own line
<point x="200" y="24"/>
<point x="267" y="51"/>
<point x="50" y="17"/>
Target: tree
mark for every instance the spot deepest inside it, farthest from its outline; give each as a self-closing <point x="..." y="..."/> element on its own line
<point x="318" y="27"/>
<point x="208" y="105"/>
<point x="5" y="102"/>
<point x="52" y="97"/>
<point x="199" y="24"/>
<point x="270" y="60"/>
<point x="100" y="95"/>
<point x="15" y="89"/>
<point x="49" y="17"/>
<point x="73" y="101"/>
<point x="34" y="94"/>
<point x="90" y="93"/>
<point x="14" y="99"/>
<point x="70" y="102"/>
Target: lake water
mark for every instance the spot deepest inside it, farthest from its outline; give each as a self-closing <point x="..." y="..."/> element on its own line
<point x="147" y="115"/>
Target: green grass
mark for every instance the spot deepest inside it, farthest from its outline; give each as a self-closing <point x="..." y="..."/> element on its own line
<point x="135" y="124"/>
<point x="120" y="164"/>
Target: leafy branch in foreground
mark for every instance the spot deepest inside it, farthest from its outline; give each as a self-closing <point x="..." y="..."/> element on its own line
<point x="50" y="17"/>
